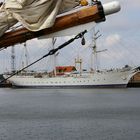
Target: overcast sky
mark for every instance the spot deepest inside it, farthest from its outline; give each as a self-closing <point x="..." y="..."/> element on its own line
<point x="120" y="36"/>
<point x="121" y="33"/>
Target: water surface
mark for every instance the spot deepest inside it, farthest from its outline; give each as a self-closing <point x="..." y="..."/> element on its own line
<point x="70" y="114"/>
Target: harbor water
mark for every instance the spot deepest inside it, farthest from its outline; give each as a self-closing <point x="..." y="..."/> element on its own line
<point x="70" y="114"/>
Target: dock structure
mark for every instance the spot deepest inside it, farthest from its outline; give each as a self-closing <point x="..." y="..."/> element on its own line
<point x="135" y="81"/>
<point x="5" y="84"/>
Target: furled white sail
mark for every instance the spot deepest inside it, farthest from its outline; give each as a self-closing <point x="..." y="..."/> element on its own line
<point x="34" y="15"/>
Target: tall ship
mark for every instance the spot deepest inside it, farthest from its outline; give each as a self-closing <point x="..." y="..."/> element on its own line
<point x="111" y="78"/>
<point x="74" y="76"/>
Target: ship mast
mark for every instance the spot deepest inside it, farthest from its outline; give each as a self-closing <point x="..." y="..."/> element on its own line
<point x="13" y="65"/>
<point x="96" y="36"/>
<point x="26" y="54"/>
<point x="25" y="58"/>
<point x="94" y="54"/>
<point x="94" y="63"/>
<point x="13" y="57"/>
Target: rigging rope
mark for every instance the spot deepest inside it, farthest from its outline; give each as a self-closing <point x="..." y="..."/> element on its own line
<point x="51" y="52"/>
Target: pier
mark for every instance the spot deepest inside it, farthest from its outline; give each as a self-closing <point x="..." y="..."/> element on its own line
<point x="135" y="81"/>
<point x="4" y="84"/>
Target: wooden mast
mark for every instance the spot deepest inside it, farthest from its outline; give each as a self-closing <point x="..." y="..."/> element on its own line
<point x="93" y="13"/>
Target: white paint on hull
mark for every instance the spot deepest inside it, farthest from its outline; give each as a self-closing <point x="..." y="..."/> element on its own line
<point x="98" y="79"/>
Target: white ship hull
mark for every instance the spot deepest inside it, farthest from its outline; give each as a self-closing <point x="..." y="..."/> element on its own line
<point x="114" y="78"/>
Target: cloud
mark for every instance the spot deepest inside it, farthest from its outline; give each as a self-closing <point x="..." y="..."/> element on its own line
<point x="112" y="40"/>
<point x="127" y="19"/>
